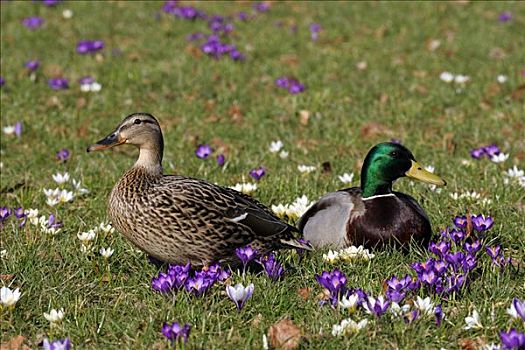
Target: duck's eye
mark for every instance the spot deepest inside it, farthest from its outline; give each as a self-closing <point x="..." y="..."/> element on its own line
<point x="137" y="121"/>
<point x="394" y="154"/>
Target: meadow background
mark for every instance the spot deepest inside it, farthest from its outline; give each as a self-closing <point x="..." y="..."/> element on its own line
<point x="371" y="75"/>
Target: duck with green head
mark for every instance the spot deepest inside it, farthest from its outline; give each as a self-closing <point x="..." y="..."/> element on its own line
<point x="372" y="214"/>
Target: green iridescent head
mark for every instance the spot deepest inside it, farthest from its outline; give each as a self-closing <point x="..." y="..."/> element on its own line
<point x="387" y="162"/>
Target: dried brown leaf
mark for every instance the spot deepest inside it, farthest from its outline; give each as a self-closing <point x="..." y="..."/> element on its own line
<point x="6" y="277"/>
<point x="518" y="93"/>
<point x="373" y="129"/>
<point x="15" y="343"/>
<point x="235" y="113"/>
<point x="284" y="335"/>
<point x="304" y="293"/>
<point x="304" y="117"/>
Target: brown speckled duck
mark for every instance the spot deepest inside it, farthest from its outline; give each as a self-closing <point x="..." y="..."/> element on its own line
<point x="177" y="219"/>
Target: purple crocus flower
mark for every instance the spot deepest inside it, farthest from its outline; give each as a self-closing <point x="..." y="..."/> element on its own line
<point x="258" y="173"/>
<point x="421" y="267"/>
<point x="217" y="273"/>
<point x="261" y="6"/>
<point x="512" y="339"/>
<point x="188" y="12"/>
<point x="195" y="37"/>
<point x="5" y="212"/>
<point x="335" y="282"/>
<point x="273" y="268"/>
<point x="296" y="87"/>
<point x="246" y="254"/>
<point x="472" y="248"/>
<point x="178" y="275"/>
<point x="52" y="222"/>
<point x="395" y="283"/>
<point x="175" y="332"/>
<point x="2" y="81"/>
<point x="63" y="154"/>
<point x="411" y="316"/>
<point x="440" y="267"/>
<point x="460" y="221"/>
<point x="482" y="223"/>
<point x="440" y="248"/>
<point x="86" y="80"/>
<point x="220" y="159"/>
<point x="19" y="213"/>
<point x="198" y="284"/>
<point x="50" y="3"/>
<point x="282" y="82"/>
<point x="494" y="251"/>
<point x="519" y="306"/>
<point x="315" y="28"/>
<point x="429" y="277"/>
<point x="237" y="56"/>
<point x="394" y="295"/>
<point x="203" y="151"/>
<point x="240" y="294"/>
<point x="33" y="22"/>
<point x="469" y="263"/>
<point x="169" y="6"/>
<point x="438" y="312"/>
<point x="242" y="16"/>
<point x="58" y="83"/>
<point x="456" y="235"/>
<point x="477" y="153"/>
<point x="455" y="258"/>
<point x="377" y="306"/>
<point x="491" y="150"/>
<point x="454" y="283"/>
<point x="89" y="46"/>
<point x="162" y="283"/>
<point x="32" y="65"/>
<point x="505" y="16"/>
<point x="64" y="344"/>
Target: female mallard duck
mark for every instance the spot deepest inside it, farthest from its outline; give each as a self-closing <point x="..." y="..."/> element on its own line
<point x="177" y="219"/>
<point x="372" y="214"/>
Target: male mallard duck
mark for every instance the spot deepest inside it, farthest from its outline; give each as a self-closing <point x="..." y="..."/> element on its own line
<point x="177" y="219"/>
<point x="372" y="214"/>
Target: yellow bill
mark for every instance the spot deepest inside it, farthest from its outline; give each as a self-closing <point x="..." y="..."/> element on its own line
<point x="417" y="172"/>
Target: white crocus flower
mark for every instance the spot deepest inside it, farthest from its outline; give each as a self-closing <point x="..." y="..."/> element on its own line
<point x="32" y="216"/>
<point x="447" y="77"/>
<point x="397" y="310"/>
<point x="473" y="321"/>
<point x="86" y="237"/>
<point x="283" y="154"/>
<point x="280" y="210"/>
<point x="346" y="178"/>
<point x="425" y="306"/>
<point x="65" y="196"/>
<point x="348" y="326"/>
<point x="67" y="13"/>
<point x="3" y="253"/>
<point x="502" y="79"/>
<point x="275" y="146"/>
<point x="9" y="130"/>
<point x="61" y="178"/>
<point x="349" y="303"/>
<point x="299" y="207"/>
<point x="246" y="188"/>
<point x="77" y="185"/>
<point x="8" y="297"/>
<point x="461" y="79"/>
<point x="331" y="257"/>
<point x="515" y="172"/>
<point x="499" y="158"/>
<point x="306" y="168"/>
<point x="106" y="228"/>
<point x="106" y="253"/>
<point x="54" y="316"/>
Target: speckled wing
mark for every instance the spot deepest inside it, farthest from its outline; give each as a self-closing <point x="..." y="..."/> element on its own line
<point x="233" y="217"/>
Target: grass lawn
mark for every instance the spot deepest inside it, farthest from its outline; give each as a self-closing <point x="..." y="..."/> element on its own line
<point x="371" y="75"/>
